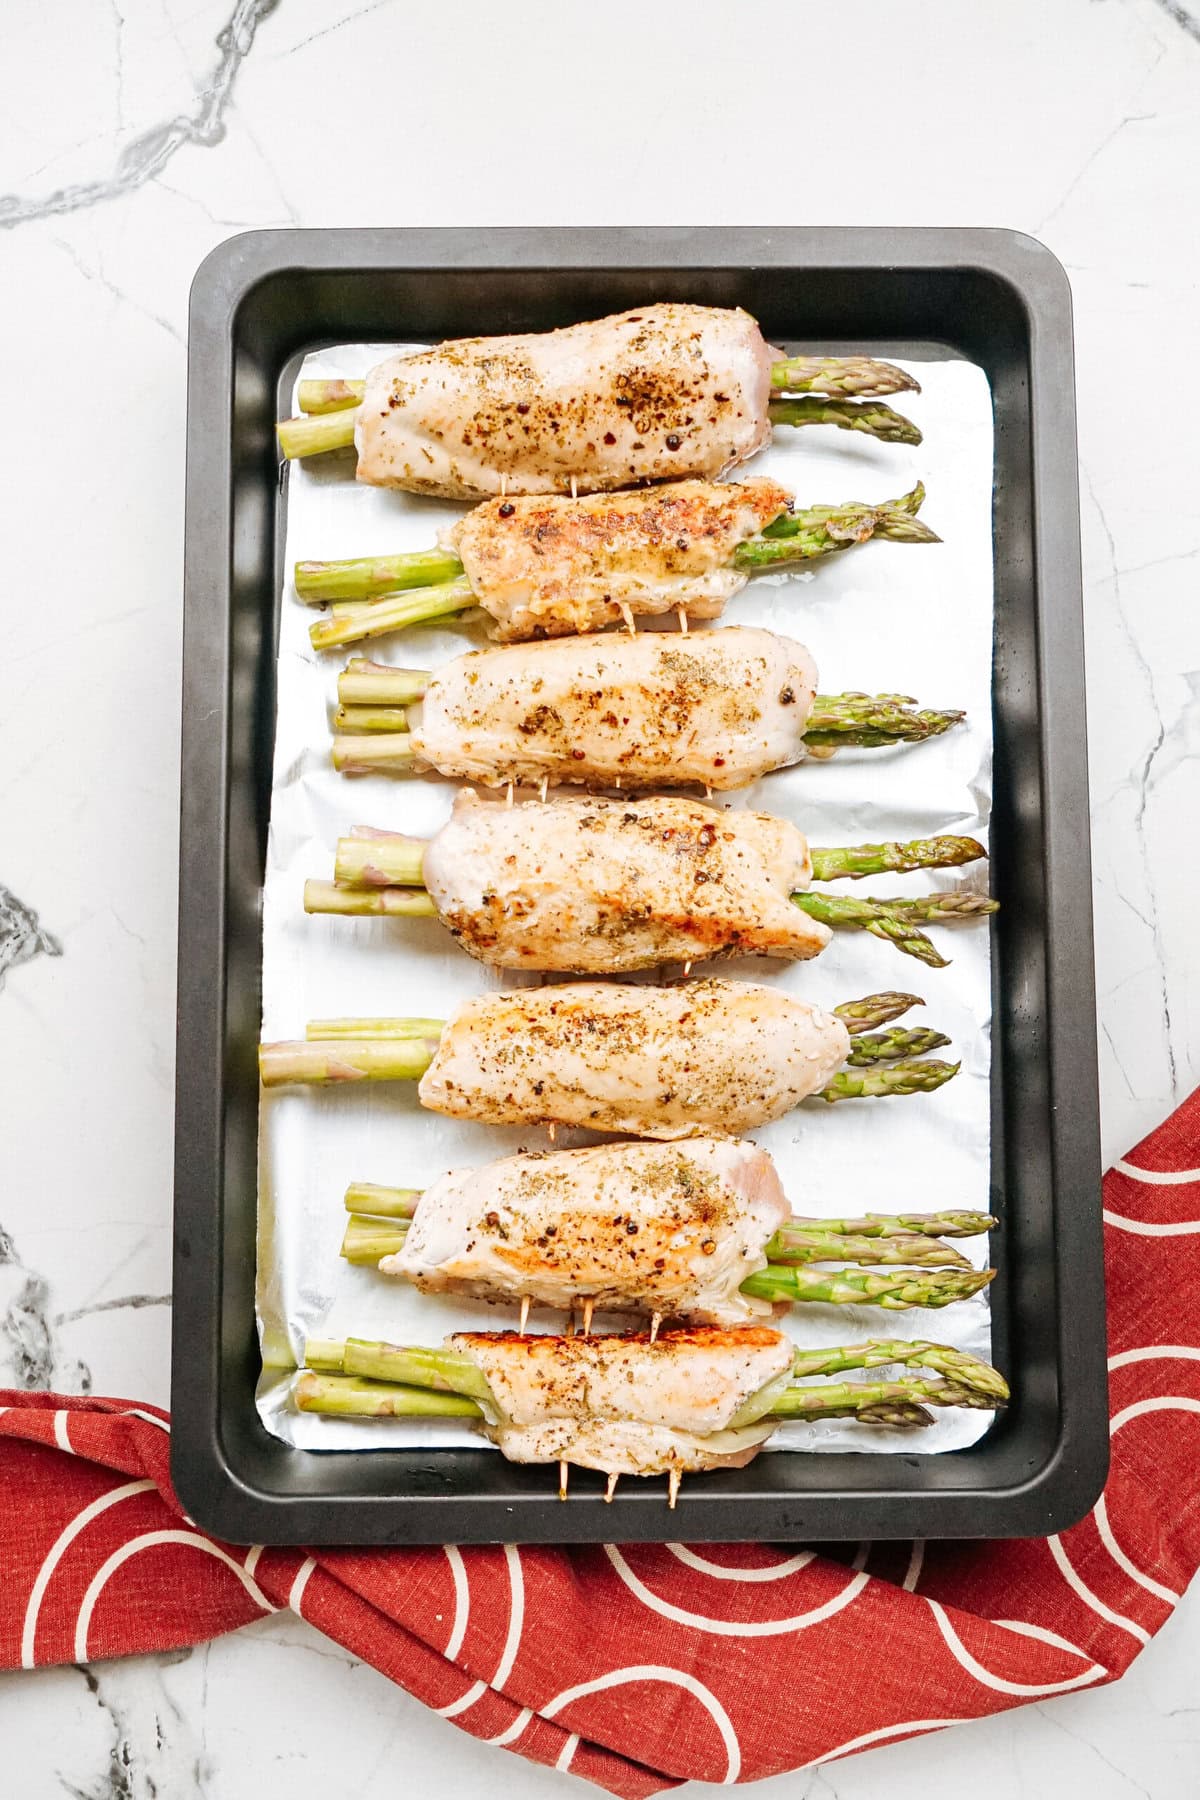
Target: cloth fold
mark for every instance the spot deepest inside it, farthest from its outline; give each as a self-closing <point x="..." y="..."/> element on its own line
<point x="642" y="1666"/>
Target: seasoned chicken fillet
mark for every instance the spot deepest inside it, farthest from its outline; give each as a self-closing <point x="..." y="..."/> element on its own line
<point x="657" y="394"/>
<point x="716" y="707"/>
<point x="658" y="1228"/>
<point x="605" y="887"/>
<point x="549" y="567"/>
<point x="624" y="1404"/>
<point x="709" y="1057"/>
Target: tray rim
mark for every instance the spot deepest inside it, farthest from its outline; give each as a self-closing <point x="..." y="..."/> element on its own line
<point x="204" y="1466"/>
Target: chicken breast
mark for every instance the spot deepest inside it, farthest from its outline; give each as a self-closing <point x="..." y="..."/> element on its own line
<point x="716" y="707"/>
<point x="690" y="1379"/>
<point x="672" y="1229"/>
<point x="659" y="393"/>
<point x="603" y="887"/>
<point x="549" y="567"/>
<point x="709" y="1057"/>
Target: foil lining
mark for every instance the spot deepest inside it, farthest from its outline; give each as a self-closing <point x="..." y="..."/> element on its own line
<point x="882" y="617"/>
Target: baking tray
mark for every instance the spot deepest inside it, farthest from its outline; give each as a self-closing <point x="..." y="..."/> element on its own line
<point x="261" y="300"/>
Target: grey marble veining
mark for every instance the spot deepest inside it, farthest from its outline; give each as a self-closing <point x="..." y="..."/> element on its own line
<point x="144" y="131"/>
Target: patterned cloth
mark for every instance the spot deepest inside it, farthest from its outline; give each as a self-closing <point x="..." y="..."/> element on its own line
<point x="641" y="1667"/>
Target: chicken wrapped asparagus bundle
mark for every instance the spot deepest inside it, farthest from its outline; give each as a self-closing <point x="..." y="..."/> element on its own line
<point x="609" y="887"/>
<point x="698" y="1230"/>
<point x="714" y="708"/>
<point x="703" y="1398"/>
<point x="708" y="1057"/>
<point x="656" y="394"/>
<point x="550" y="566"/>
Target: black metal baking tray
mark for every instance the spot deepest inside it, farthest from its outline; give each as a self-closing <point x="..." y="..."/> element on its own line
<point x="996" y="297"/>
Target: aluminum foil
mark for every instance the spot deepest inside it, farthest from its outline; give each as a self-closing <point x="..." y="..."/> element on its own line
<point x="883" y="617"/>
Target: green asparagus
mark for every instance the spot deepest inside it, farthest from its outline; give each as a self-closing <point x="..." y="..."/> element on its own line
<point x="376" y="1380"/>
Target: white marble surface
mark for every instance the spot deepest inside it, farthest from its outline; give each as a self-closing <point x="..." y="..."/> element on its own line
<point x="133" y="141"/>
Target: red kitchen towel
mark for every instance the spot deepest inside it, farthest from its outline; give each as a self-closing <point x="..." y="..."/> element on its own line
<point x="652" y="1664"/>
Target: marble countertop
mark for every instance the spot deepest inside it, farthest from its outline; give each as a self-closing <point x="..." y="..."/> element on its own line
<point x="142" y="133"/>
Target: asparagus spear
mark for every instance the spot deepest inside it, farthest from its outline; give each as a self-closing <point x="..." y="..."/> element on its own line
<point x="853" y="525"/>
<point x="393" y="902"/>
<point x="862" y="376"/>
<point x="897" y="1403"/>
<point x="321" y="1061"/>
<point x="366" y="577"/>
<point x="920" y="1077"/>
<point x="370" y="718"/>
<point x="352" y="1397"/>
<point x="875" y="1010"/>
<point x="365" y="1383"/>
<point x="875" y="1238"/>
<point x="373" y="753"/>
<point x="841" y="718"/>
<point x="368" y="1238"/>
<point x="836" y="722"/>
<point x="848" y="717"/>
<point x="939" y="1281"/>
<point x="958" y="1366"/>
<point x="876" y="916"/>
<point x="401" y="604"/>
<point x="392" y="1202"/>
<point x="857" y="375"/>
<point x="404" y="1029"/>
<point x="366" y="1241"/>
<point x="896" y="919"/>
<point x="868" y="1048"/>
<point x="370" y="858"/>
<point x="871" y="416"/>
<point x="897" y="1290"/>
<point x="798" y="536"/>
<point x="396" y="1050"/>
<point x="798" y="1243"/>
<point x="872" y="719"/>
<point x="875" y="1403"/>
<point x="880" y="922"/>
<point x="930" y="909"/>
<point x="365" y="683"/>
<point x="330" y="396"/>
<point x="327" y="422"/>
<point x="889" y="1225"/>
<point x="852" y="861"/>
<point x="892" y="920"/>
<point x="313" y="435"/>
<point x="419" y="1365"/>
<point x="377" y="617"/>
<point x="858" y="1016"/>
